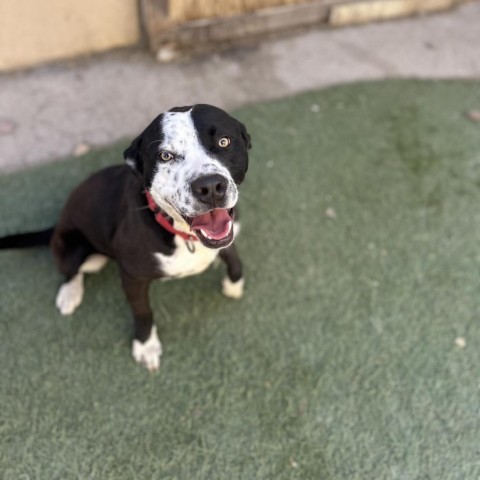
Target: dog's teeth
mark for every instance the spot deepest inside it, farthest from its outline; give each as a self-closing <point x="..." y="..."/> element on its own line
<point x="205" y="234"/>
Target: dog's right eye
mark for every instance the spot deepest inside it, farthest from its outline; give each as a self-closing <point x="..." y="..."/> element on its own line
<point x="166" y="156"/>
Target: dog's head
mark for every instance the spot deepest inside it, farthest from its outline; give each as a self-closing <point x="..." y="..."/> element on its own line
<point x="191" y="160"/>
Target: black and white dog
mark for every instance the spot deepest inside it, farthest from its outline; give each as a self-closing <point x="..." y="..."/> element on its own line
<point x="168" y="213"/>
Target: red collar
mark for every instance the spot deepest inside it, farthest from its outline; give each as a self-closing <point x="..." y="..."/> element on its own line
<point x="161" y="220"/>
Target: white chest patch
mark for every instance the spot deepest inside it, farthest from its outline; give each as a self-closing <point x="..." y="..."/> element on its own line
<point x="183" y="262"/>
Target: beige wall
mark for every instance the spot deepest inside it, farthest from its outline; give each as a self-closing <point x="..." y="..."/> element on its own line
<point x="185" y="10"/>
<point x="36" y="31"/>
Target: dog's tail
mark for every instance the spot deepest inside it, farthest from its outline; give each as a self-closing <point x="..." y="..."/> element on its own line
<point x="27" y="240"/>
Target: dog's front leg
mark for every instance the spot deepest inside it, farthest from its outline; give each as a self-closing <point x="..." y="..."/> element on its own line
<point x="146" y="347"/>
<point x="232" y="284"/>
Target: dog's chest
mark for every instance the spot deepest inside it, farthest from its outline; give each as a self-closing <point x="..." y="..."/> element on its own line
<point x="183" y="262"/>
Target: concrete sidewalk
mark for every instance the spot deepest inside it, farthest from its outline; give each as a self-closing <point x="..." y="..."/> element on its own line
<point x="48" y="112"/>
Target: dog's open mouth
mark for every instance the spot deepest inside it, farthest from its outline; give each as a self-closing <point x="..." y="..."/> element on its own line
<point x="214" y="228"/>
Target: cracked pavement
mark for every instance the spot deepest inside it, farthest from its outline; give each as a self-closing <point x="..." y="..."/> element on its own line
<point x="48" y="112"/>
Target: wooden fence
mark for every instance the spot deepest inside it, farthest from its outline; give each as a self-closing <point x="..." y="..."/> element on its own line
<point x="175" y="27"/>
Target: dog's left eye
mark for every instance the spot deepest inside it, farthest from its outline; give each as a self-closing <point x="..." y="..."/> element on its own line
<point x="166" y="156"/>
<point x="224" y="142"/>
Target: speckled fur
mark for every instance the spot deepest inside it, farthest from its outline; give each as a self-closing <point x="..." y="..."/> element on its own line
<point x="171" y="182"/>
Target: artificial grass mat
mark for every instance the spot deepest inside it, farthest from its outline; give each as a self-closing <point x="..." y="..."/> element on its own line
<point x="340" y="362"/>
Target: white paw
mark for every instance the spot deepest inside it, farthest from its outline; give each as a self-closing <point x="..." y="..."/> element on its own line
<point x="70" y="295"/>
<point x="148" y="353"/>
<point x="233" y="289"/>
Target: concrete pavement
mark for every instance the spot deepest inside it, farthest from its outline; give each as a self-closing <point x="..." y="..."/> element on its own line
<point x="48" y="112"/>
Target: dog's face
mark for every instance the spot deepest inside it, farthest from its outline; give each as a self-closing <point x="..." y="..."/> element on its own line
<point x="192" y="159"/>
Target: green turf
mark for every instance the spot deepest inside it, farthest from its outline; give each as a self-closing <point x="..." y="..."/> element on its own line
<point x="339" y="363"/>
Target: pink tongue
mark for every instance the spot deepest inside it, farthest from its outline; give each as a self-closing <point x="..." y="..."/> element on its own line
<point x="214" y="223"/>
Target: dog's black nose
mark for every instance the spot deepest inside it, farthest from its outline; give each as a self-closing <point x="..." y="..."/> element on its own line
<point x="210" y="189"/>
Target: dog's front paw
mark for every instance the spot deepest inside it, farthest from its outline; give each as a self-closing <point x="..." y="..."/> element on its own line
<point x="233" y="289"/>
<point x="148" y="353"/>
<point x="70" y="295"/>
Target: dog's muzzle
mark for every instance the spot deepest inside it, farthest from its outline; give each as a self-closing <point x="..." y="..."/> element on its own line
<point x="214" y="228"/>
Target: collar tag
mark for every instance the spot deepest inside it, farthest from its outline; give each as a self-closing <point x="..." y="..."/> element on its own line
<point x="190" y="245"/>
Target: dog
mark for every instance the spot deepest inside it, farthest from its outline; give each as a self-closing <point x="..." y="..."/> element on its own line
<point x="168" y="212"/>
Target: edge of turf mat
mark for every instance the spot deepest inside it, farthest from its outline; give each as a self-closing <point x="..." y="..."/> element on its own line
<point x="339" y="362"/>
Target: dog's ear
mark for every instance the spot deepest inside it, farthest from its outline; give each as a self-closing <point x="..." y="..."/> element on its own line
<point x="245" y="135"/>
<point x="133" y="156"/>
